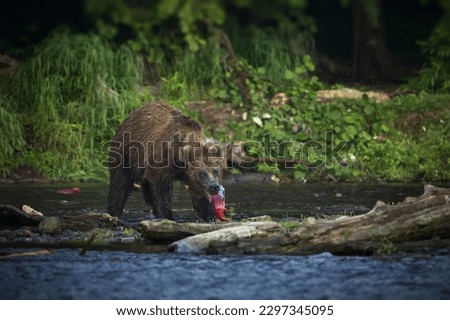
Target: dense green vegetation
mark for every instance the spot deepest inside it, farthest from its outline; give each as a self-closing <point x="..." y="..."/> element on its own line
<point x="435" y="76"/>
<point x="65" y="102"/>
<point x="59" y="110"/>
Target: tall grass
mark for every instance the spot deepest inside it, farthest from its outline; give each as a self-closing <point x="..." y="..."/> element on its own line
<point x="274" y="49"/>
<point x="11" y="139"/>
<point x="193" y="74"/>
<point x="72" y="95"/>
<point x="197" y="75"/>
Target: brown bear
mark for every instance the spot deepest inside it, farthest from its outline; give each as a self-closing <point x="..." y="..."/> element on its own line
<point x="155" y="146"/>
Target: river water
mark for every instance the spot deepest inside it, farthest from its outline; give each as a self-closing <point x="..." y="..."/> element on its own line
<point x="109" y="274"/>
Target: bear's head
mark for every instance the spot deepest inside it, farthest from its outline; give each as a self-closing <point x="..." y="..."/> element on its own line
<point x="203" y="175"/>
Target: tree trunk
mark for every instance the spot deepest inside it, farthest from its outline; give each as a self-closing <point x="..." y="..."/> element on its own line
<point x="371" y="58"/>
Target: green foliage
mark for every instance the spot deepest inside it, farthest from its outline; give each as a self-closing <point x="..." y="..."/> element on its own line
<point x="291" y="225"/>
<point x="11" y="139"/>
<point x="129" y="232"/>
<point x="101" y="236"/>
<point x="184" y="23"/>
<point x="72" y="96"/>
<point x="273" y="51"/>
<point x="435" y="76"/>
<point x="404" y="139"/>
<point x="414" y="145"/>
<point x="385" y="247"/>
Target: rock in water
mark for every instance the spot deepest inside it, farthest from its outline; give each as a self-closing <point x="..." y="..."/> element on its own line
<point x="50" y="225"/>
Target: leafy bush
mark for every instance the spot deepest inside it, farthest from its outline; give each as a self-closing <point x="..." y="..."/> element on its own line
<point x="404" y="139"/>
<point x="435" y="76"/>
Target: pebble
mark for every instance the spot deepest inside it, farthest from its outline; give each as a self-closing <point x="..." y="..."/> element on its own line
<point x="67" y="233"/>
<point x="127" y="239"/>
<point x="24" y="233"/>
<point x="8" y="234"/>
<point x="36" y="239"/>
<point x="46" y="238"/>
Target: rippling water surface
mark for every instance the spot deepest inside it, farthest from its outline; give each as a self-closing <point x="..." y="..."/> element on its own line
<point x="122" y="275"/>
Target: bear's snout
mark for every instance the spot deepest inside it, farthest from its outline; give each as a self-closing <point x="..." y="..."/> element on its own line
<point x="214" y="187"/>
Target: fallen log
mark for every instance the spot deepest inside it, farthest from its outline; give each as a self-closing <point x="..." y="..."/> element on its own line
<point x="82" y="222"/>
<point x="163" y="230"/>
<point x="348" y="93"/>
<point x="11" y="216"/>
<point x="226" y="236"/>
<point x="385" y="227"/>
<point x="25" y="254"/>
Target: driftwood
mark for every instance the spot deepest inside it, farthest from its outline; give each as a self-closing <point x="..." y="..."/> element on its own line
<point x="163" y="230"/>
<point x="11" y="216"/>
<point x="347" y="93"/>
<point x="227" y="236"/>
<point x="32" y="212"/>
<point x="424" y="220"/>
<point x="26" y="254"/>
<point x="83" y="222"/>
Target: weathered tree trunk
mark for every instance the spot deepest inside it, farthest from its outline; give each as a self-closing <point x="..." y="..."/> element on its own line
<point x="385" y="228"/>
<point x="371" y="58"/>
<point x="163" y="230"/>
<point x="82" y="222"/>
<point x="11" y="216"/>
<point x="227" y="237"/>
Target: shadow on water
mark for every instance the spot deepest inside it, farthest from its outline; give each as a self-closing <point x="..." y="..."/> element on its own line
<point x="65" y="274"/>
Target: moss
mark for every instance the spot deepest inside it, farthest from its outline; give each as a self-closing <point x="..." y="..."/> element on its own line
<point x="291" y="225"/>
<point x="101" y="236"/>
<point x="129" y="232"/>
<point x="385" y="247"/>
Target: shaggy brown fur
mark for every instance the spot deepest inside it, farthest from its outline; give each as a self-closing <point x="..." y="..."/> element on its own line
<point x="155" y="146"/>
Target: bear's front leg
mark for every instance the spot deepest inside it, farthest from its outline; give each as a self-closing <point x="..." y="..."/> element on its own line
<point x="204" y="208"/>
<point x="159" y="195"/>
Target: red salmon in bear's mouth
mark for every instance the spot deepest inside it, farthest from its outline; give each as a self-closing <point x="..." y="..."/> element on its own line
<point x="218" y="202"/>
